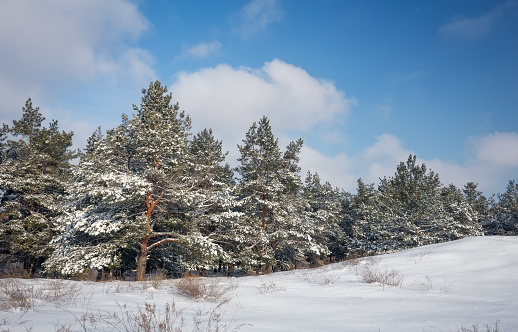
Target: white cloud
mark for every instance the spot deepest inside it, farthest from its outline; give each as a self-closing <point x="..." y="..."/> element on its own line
<point x="382" y="158"/>
<point x="455" y="173"/>
<point x="475" y="27"/>
<point x="203" y="50"/>
<point x="343" y="171"/>
<point x="257" y="15"/>
<point x="497" y="149"/>
<point x="337" y="170"/>
<point x="495" y="162"/>
<point x="133" y="65"/>
<point x="230" y="99"/>
<point x="53" y="46"/>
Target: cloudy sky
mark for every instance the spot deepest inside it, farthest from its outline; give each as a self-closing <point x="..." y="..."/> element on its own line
<point x="364" y="84"/>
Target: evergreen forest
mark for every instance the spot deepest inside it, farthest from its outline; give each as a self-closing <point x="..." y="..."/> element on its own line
<point x="150" y="196"/>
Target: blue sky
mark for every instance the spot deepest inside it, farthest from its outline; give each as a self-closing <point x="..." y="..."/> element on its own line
<point x="364" y="83"/>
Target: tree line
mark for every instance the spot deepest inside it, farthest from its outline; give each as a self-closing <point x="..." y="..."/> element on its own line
<point x="148" y="195"/>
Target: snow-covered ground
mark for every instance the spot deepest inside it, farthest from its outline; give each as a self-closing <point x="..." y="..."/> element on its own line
<point x="444" y="287"/>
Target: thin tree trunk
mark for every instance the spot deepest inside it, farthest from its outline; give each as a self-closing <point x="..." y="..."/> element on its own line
<point x="142" y="257"/>
<point x="142" y="261"/>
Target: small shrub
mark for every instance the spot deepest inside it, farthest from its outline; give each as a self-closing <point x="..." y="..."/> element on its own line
<point x="29" y="295"/>
<point x="15" y="294"/>
<point x="14" y="270"/>
<point x="211" y="320"/>
<point x="270" y="287"/>
<point x="146" y="319"/>
<point x="197" y="288"/>
<point x="358" y="254"/>
<point x="319" y="278"/>
<point x="120" y="287"/>
<point x="151" y="319"/>
<point x="94" y="275"/>
<point x="156" y="280"/>
<point x="88" y="275"/>
<point x="369" y="274"/>
<point x="418" y="256"/>
<point x="427" y="285"/>
<point x="475" y="328"/>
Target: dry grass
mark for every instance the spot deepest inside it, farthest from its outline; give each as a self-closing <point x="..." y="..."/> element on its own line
<point x="14" y="270"/>
<point x="370" y="274"/>
<point x="146" y="319"/>
<point x="26" y="295"/>
<point x="208" y="289"/>
<point x="270" y="287"/>
<point x="150" y="319"/>
<point x="427" y="285"/>
<point x="15" y="294"/>
<point x="485" y="328"/>
<point x="89" y="275"/>
<point x="319" y="278"/>
<point x="156" y="280"/>
<point x="420" y="255"/>
<point x="212" y="320"/>
<point x="386" y="278"/>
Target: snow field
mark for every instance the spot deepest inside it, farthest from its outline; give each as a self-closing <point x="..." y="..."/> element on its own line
<point x="445" y="287"/>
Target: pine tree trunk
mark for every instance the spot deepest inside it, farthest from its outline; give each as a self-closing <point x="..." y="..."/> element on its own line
<point x="142" y="258"/>
<point x="142" y="262"/>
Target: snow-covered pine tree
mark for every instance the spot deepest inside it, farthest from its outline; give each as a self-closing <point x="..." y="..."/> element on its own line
<point x="460" y="219"/>
<point x="3" y="146"/>
<point x="411" y="200"/>
<point x="104" y="207"/>
<point x="366" y="224"/>
<point x="476" y="199"/>
<point x="270" y="190"/>
<point x="214" y="201"/>
<point x="259" y="187"/>
<point x="326" y="214"/>
<point x="4" y="239"/>
<point x="132" y="190"/>
<point x="298" y="239"/>
<point x="503" y="219"/>
<point x="33" y="176"/>
<point x="213" y="178"/>
<point x="414" y="209"/>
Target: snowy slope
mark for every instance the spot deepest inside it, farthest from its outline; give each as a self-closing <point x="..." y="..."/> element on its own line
<point x="445" y="287"/>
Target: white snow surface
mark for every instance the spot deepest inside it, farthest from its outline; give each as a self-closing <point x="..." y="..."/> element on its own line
<point x="445" y="287"/>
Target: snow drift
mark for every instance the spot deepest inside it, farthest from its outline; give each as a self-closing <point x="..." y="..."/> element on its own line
<point x="443" y="287"/>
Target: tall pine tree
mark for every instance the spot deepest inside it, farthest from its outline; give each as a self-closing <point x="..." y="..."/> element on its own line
<point x="476" y="199"/>
<point x="33" y="177"/>
<point x="133" y="190"/>
<point x="325" y="212"/>
<point x="367" y="227"/>
<point x="271" y="194"/>
<point x="503" y="219"/>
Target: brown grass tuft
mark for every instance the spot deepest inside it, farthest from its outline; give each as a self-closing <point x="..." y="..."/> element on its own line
<point x="208" y="289"/>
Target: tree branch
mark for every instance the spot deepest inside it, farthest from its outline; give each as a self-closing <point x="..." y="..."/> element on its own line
<point x="161" y="242"/>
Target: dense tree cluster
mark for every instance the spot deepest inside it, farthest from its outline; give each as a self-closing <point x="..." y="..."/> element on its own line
<point x="148" y="195"/>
